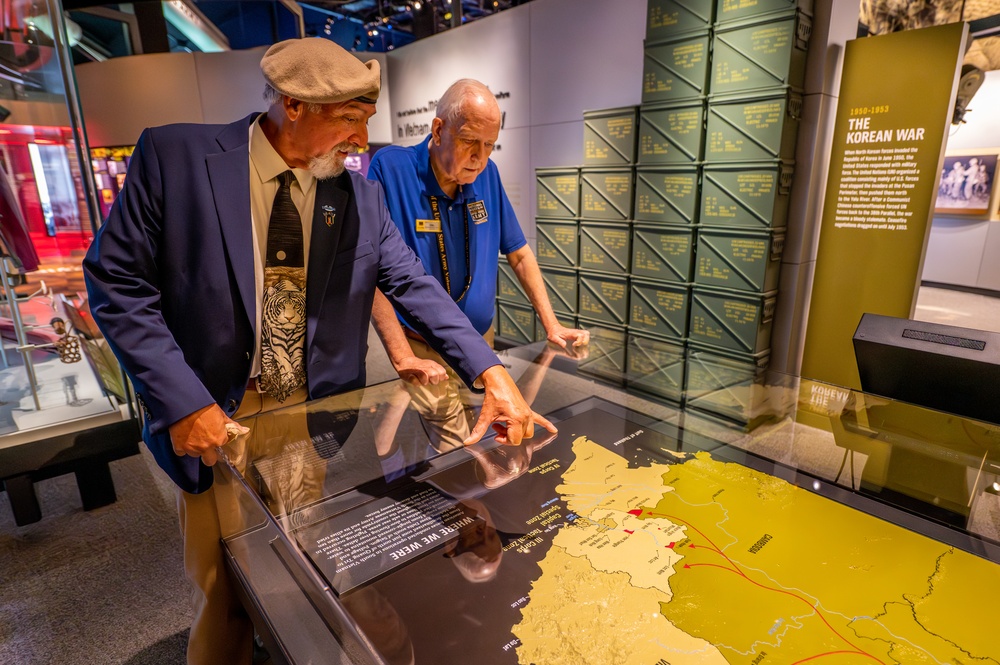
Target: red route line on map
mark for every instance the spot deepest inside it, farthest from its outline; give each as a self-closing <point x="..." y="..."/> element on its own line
<point x="824" y="655"/>
<point x="736" y="569"/>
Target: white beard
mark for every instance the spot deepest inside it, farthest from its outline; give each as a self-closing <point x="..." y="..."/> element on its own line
<point x="331" y="164"/>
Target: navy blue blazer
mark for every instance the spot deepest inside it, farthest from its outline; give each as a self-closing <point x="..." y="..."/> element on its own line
<point x="170" y="277"/>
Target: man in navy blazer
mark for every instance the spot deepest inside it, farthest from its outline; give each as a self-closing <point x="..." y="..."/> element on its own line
<point x="174" y="279"/>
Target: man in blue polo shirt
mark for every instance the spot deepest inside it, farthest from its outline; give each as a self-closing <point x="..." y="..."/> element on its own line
<point x="446" y="198"/>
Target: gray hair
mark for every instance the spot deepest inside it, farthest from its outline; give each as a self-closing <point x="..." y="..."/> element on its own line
<point x="450" y="107"/>
<point x="272" y="96"/>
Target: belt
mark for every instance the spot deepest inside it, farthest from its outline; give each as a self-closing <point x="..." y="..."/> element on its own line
<point x="254" y="385"/>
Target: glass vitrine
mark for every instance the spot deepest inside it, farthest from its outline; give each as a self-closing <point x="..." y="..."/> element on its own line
<point x="65" y="406"/>
<point x="823" y="521"/>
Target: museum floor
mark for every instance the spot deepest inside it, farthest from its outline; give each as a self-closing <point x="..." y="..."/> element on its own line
<point x="957" y="308"/>
<point x="106" y="586"/>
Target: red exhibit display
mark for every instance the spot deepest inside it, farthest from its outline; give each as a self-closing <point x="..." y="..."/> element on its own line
<point x="43" y="176"/>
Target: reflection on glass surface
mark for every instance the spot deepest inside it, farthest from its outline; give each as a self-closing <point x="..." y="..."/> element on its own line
<point x="379" y="437"/>
<point x="931" y="462"/>
<point x="109" y="166"/>
<point x="830" y="522"/>
<point x="56" y="372"/>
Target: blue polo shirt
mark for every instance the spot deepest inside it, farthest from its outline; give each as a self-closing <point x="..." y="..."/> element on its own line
<point x="409" y="183"/>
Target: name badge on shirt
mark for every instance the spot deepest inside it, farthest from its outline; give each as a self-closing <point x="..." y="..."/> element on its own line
<point x="477" y="210"/>
<point x="428" y="226"/>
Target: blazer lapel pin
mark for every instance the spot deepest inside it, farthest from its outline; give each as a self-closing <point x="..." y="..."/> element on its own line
<point x="329" y="215"/>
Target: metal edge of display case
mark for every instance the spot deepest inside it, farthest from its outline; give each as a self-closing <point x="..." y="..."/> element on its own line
<point x="264" y="563"/>
<point x="86" y="453"/>
<point x="692" y="437"/>
<point x="308" y="627"/>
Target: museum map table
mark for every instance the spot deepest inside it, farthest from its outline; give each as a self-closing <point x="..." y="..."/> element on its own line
<point x="844" y="528"/>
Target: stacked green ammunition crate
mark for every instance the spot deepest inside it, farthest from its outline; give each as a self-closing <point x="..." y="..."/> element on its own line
<point x="669" y="237"/>
<point x="676" y="69"/>
<point x="515" y="317"/>
<point x="606" y="192"/>
<point x="752" y="117"/>
<point x="557" y="231"/>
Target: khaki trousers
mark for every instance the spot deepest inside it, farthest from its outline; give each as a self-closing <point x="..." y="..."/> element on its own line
<point x="221" y="632"/>
<point x="448" y="409"/>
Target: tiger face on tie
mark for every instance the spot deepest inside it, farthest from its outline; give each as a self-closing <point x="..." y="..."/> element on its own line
<point x="283" y="313"/>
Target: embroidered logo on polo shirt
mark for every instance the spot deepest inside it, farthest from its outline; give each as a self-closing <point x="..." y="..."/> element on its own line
<point x="477" y="210"/>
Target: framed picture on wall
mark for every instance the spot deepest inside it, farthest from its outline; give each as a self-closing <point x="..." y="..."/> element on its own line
<point x="967" y="184"/>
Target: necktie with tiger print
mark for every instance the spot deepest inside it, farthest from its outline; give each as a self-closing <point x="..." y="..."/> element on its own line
<point x="283" y="309"/>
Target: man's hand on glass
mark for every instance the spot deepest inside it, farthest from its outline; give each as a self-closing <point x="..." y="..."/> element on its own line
<point x="198" y="434"/>
<point x="568" y="338"/>
<point x="420" y="371"/>
<point x="505" y="409"/>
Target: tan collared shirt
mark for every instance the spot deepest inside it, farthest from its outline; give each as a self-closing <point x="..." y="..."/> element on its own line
<point x="265" y="167"/>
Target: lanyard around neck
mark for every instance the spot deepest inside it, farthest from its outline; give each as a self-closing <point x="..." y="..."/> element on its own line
<point x="442" y="254"/>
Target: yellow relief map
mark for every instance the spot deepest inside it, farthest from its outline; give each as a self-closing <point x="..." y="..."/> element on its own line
<point x="710" y="562"/>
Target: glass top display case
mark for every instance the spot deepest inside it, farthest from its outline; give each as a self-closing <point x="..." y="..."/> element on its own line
<point x="793" y="521"/>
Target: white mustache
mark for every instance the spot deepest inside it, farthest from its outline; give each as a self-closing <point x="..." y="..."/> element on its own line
<point x="331" y="164"/>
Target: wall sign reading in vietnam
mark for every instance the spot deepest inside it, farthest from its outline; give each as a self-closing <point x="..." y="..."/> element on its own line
<point x="896" y="99"/>
<point x="409" y="128"/>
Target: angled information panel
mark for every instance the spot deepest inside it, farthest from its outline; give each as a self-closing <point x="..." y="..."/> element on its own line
<point x="895" y="105"/>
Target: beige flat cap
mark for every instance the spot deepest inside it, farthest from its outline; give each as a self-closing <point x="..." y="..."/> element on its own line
<point x="318" y="71"/>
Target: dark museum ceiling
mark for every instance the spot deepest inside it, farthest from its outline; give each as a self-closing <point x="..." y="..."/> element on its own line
<point x="384" y="25"/>
<point x="362" y="25"/>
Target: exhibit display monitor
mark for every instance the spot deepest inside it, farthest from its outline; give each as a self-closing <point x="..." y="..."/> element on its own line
<point x="941" y="367"/>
